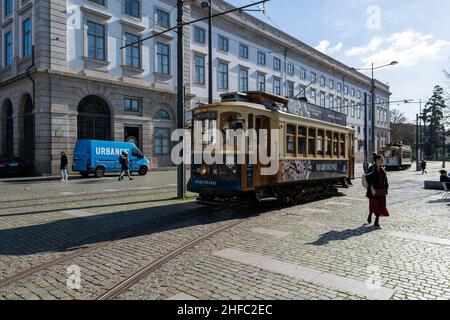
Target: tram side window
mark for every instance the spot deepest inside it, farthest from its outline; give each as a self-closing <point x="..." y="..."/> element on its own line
<point x="335" y="144"/>
<point x="301" y="141"/>
<point x="342" y="145"/>
<point x="320" y="142"/>
<point x="329" y="141"/>
<point x="312" y="142"/>
<point x="290" y="139"/>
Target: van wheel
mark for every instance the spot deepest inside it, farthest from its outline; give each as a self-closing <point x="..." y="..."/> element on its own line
<point x="99" y="172"/>
<point x="84" y="174"/>
<point x="143" y="171"/>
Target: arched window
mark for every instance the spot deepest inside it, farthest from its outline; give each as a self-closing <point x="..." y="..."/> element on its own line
<point x="94" y="119"/>
<point x="162" y="115"/>
<point x="8" y="128"/>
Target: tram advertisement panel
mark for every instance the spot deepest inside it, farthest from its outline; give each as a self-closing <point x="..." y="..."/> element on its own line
<point x="296" y="170"/>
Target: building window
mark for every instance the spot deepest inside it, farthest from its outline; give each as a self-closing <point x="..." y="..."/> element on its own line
<point x="339" y="87"/>
<point x="8" y="49"/>
<point x="331" y="102"/>
<point x="261" y="58"/>
<point x="291" y="69"/>
<point x="323" y="81"/>
<point x="133" y="52"/>
<point x="277" y="86"/>
<point x="132" y="105"/>
<point x="358" y="94"/>
<point x="353" y="92"/>
<point x="199" y="62"/>
<point x="102" y="2"/>
<point x="223" y="76"/>
<point x="243" y="51"/>
<point x="322" y="99"/>
<point x="199" y="35"/>
<point x="96" y="41"/>
<point x="291" y="89"/>
<point x="331" y="84"/>
<point x="162" y="115"/>
<point x="276" y="64"/>
<point x="243" y="80"/>
<point x="346" y="106"/>
<point x="223" y="44"/>
<point x="312" y="95"/>
<point x="8" y="7"/>
<point x="345" y="89"/>
<point x="162" y="141"/>
<point x="26" y="37"/>
<point x="339" y="104"/>
<point x="303" y="74"/>
<point x="358" y="108"/>
<point x="162" y="18"/>
<point x="353" y="110"/>
<point x="261" y="82"/>
<point x="133" y="8"/>
<point x="162" y="60"/>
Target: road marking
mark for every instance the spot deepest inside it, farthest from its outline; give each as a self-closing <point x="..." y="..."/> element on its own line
<point x="182" y="296"/>
<point x="80" y="214"/>
<point x="111" y="190"/>
<point x="67" y="193"/>
<point x="418" y="237"/>
<point x="307" y="274"/>
<point x="172" y="185"/>
<point x="274" y="233"/>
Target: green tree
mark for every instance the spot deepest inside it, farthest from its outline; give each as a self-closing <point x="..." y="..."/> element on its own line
<point x="433" y="117"/>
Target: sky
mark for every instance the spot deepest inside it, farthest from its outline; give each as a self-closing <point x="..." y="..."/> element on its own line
<point x="416" y="33"/>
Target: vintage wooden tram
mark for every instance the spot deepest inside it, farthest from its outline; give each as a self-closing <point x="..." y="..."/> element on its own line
<point x="397" y="156"/>
<point x="316" y="150"/>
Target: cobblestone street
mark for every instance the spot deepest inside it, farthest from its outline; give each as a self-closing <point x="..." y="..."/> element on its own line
<point x="317" y="250"/>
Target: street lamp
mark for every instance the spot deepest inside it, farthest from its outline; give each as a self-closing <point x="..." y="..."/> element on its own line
<point x="208" y="4"/>
<point x="393" y="63"/>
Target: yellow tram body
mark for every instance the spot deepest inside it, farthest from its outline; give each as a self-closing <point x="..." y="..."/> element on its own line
<point x="314" y="156"/>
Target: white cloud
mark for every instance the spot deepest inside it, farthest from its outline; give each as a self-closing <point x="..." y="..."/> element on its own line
<point x="324" y="46"/>
<point x="408" y="47"/>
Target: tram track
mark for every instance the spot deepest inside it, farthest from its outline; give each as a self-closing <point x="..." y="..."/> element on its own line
<point x="22" y="203"/>
<point x="191" y="213"/>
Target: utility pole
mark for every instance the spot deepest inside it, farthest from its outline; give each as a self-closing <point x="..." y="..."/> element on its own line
<point x="374" y="147"/>
<point x="366" y="135"/>
<point x="418" y="143"/>
<point x="181" y="173"/>
<point x="210" y="57"/>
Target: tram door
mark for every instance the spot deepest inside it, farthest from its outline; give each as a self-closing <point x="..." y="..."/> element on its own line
<point x="263" y="123"/>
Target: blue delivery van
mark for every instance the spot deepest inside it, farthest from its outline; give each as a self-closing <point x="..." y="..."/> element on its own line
<point x="100" y="157"/>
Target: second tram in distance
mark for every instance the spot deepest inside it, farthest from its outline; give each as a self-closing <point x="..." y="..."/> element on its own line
<point x="397" y="156"/>
<point x="316" y="150"/>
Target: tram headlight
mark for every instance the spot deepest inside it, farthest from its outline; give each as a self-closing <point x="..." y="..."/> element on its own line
<point x="204" y="170"/>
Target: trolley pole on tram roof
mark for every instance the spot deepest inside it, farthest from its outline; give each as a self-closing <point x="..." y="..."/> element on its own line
<point x="181" y="173"/>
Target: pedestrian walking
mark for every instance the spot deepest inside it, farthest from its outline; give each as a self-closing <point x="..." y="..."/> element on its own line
<point x="377" y="191"/>
<point x="63" y="167"/>
<point x="125" y="166"/>
<point x="423" y="165"/>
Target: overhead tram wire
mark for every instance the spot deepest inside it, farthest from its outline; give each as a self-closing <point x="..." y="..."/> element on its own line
<point x="192" y="22"/>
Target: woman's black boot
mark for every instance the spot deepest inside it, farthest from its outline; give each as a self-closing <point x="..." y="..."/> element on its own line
<point x="369" y="219"/>
<point x="377" y="222"/>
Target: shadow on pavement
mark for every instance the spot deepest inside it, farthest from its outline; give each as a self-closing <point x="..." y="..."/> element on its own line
<point x="69" y="234"/>
<point x="342" y="235"/>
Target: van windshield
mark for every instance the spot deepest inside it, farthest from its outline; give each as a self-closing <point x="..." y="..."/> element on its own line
<point x="136" y="153"/>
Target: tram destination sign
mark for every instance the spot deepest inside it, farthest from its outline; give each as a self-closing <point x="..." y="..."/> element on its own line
<point x="304" y="109"/>
<point x="200" y="116"/>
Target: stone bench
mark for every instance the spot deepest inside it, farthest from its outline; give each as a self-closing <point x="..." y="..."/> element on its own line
<point x="433" y="185"/>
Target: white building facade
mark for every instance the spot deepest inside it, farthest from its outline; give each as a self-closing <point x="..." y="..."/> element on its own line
<point x="87" y="86"/>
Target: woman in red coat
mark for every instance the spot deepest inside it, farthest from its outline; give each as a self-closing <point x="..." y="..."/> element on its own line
<point x="377" y="190"/>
